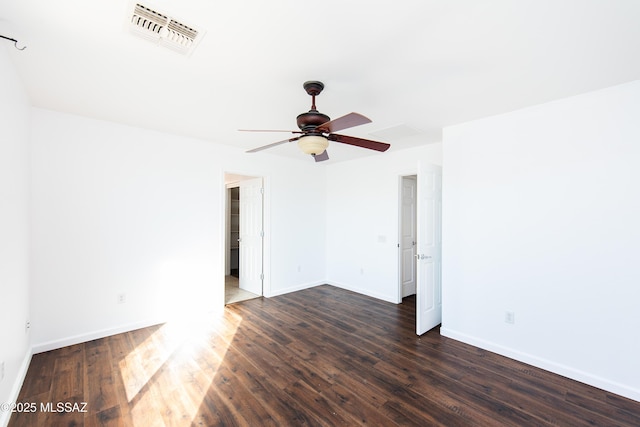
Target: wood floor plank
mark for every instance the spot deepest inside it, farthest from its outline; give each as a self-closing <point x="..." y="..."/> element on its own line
<point x="39" y="375"/>
<point x="356" y="403"/>
<point x="624" y="410"/>
<point x="318" y="357"/>
<point x="99" y="383"/>
<point x="284" y="410"/>
<point x="236" y="391"/>
<point x="317" y="406"/>
<point x="110" y="417"/>
<point x="279" y="358"/>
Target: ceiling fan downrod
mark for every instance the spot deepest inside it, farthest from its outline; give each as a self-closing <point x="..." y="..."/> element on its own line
<point x="313" y="88"/>
<point x="308" y="121"/>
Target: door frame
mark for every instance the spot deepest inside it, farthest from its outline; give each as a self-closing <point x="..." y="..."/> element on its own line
<point x="266" y="224"/>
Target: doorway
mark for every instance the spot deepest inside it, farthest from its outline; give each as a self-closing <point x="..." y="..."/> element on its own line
<point x="408" y="235"/>
<point x="420" y="244"/>
<point x="244" y="237"/>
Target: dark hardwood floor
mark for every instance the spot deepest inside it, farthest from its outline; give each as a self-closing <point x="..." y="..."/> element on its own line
<point x="322" y="356"/>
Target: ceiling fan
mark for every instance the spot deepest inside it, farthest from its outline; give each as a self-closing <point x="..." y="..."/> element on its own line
<point x="316" y="129"/>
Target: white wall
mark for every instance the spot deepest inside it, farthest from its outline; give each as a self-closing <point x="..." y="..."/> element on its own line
<point x="540" y="217"/>
<point x="298" y="225"/>
<point x="118" y="209"/>
<point x="363" y="199"/>
<point x="14" y="232"/>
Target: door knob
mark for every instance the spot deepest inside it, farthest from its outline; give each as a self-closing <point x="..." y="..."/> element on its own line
<point x="423" y="256"/>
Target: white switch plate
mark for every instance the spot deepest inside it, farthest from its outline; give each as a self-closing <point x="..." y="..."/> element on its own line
<point x="510" y="317"/>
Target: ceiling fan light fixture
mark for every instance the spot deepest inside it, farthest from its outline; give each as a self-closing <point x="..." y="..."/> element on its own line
<point x="313" y="144"/>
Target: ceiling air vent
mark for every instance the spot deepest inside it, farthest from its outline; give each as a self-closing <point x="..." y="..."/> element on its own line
<point x="163" y="30"/>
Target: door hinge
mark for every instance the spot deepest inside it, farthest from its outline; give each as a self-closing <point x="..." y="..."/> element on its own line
<point x="262" y="276"/>
<point x="261" y="233"/>
<point x="261" y="190"/>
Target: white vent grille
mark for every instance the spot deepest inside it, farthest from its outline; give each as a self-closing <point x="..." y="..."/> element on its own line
<point x="163" y="29"/>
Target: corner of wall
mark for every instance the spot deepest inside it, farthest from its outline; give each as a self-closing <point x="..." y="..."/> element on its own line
<point x="5" y="416"/>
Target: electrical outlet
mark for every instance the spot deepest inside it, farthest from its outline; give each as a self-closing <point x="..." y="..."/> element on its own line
<point x="510" y="317"/>
<point x="27" y="326"/>
<point x="122" y="298"/>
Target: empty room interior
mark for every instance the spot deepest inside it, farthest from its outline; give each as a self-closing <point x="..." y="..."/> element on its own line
<point x="335" y="213"/>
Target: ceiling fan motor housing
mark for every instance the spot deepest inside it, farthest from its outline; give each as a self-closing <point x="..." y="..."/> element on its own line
<point x="310" y="120"/>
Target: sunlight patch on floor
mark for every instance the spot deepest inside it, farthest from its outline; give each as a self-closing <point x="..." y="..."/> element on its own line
<point x="172" y="370"/>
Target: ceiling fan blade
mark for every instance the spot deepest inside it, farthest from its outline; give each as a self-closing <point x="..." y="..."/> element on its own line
<point x="321" y="157"/>
<point x="347" y="121"/>
<point x="264" y="147"/>
<point x="359" y="142"/>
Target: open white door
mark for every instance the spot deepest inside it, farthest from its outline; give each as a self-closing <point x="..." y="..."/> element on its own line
<point x="251" y="235"/>
<point x="429" y="253"/>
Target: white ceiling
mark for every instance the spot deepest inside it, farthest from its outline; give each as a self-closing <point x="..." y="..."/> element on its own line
<point x="412" y="66"/>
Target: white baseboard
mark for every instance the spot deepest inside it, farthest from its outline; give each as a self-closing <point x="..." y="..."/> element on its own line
<point x="363" y="291"/>
<point x="548" y="365"/>
<point x="80" y="338"/>
<point x="17" y="386"/>
<point x="77" y="339"/>
<point x="294" y="289"/>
